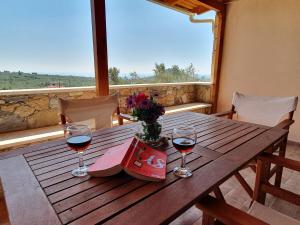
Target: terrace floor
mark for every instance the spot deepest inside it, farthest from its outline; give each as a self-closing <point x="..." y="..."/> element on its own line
<point x="236" y="196"/>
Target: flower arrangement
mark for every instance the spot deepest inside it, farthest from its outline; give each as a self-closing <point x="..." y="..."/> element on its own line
<point x="147" y="110"/>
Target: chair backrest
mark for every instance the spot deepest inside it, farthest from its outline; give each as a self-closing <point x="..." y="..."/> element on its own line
<point x="262" y="109"/>
<point x="97" y="112"/>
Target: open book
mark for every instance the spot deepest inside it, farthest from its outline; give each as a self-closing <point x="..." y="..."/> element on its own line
<point x="135" y="158"/>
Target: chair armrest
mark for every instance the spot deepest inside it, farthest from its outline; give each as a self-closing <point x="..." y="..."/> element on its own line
<point x="280" y="161"/>
<point x="285" y="124"/>
<point x="226" y="213"/>
<point x="227" y="113"/>
<point x="126" y="117"/>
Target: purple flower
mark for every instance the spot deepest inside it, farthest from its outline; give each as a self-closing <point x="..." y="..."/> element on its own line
<point x="130" y="101"/>
<point x="144" y="108"/>
<point x="145" y="104"/>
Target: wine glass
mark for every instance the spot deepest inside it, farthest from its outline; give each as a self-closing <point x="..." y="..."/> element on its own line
<point x="184" y="140"/>
<point x="78" y="138"/>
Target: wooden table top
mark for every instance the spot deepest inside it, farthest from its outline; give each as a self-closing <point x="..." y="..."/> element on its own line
<point x="40" y="188"/>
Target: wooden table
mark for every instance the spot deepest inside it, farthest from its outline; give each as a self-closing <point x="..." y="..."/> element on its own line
<point x="40" y="189"/>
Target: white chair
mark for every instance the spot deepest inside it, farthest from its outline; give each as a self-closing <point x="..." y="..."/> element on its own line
<point x="97" y="112"/>
<point x="268" y="111"/>
<point x="215" y="210"/>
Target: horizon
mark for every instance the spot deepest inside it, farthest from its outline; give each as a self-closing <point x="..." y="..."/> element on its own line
<point x="85" y="74"/>
<point x="56" y="37"/>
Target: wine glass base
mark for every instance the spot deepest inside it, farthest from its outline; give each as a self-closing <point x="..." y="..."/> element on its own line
<point x="80" y="171"/>
<point x="182" y="172"/>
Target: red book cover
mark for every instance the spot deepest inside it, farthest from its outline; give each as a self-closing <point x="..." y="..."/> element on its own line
<point x="135" y="158"/>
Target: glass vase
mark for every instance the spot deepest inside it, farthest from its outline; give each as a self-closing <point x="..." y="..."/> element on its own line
<point x="150" y="132"/>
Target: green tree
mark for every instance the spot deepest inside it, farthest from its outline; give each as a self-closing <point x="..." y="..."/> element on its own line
<point x="190" y="73"/>
<point x="159" y="70"/>
<point x="113" y="74"/>
<point x="134" y="76"/>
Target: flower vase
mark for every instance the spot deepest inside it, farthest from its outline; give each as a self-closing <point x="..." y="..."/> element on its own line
<point x="150" y="132"/>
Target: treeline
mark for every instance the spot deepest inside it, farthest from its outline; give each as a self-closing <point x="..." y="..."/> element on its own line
<point x="161" y="74"/>
<point x="20" y="80"/>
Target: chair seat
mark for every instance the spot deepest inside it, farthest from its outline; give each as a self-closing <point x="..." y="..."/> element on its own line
<point x="271" y="216"/>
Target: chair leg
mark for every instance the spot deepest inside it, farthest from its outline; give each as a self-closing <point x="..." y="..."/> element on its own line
<point x="253" y="168"/>
<point x="120" y="121"/>
<point x="282" y="151"/>
<point x="244" y="184"/>
<point x="207" y="220"/>
<point x="218" y="193"/>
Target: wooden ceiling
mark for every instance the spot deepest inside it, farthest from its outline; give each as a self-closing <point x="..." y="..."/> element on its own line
<point x="193" y="6"/>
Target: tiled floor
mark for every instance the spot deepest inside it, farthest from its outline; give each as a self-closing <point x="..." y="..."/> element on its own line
<point x="236" y="196"/>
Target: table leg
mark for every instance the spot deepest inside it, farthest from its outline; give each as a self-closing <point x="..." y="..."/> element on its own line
<point x="262" y="176"/>
<point x="207" y="220"/>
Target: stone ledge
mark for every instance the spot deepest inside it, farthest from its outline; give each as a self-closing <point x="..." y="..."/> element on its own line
<point x="91" y="88"/>
<point x="193" y="107"/>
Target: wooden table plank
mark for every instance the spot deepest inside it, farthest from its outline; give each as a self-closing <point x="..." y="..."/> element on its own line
<point x="86" y="195"/>
<point x="119" y="204"/>
<point x="187" y="191"/>
<point x="229" y="138"/>
<point x="63" y="150"/>
<point x="68" y="165"/>
<point x="98" y="143"/>
<point x="220" y="137"/>
<point x="67" y="174"/>
<point x="26" y="201"/>
<point x="58" y="196"/>
<point x="109" y="199"/>
<point x="237" y="142"/>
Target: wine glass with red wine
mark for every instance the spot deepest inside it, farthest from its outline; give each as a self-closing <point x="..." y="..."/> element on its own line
<point x="184" y="140"/>
<point x="78" y="138"/>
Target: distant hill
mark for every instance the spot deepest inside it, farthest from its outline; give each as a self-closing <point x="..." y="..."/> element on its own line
<point x="19" y="80"/>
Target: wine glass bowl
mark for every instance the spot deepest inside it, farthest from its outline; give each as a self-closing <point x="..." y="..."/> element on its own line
<point x="78" y="137"/>
<point x="184" y="140"/>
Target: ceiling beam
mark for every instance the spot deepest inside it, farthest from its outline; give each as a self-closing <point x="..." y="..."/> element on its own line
<point x="212" y="4"/>
<point x="199" y="9"/>
<point x="171" y="2"/>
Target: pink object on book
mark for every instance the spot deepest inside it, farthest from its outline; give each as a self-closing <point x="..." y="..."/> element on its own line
<point x="135" y="158"/>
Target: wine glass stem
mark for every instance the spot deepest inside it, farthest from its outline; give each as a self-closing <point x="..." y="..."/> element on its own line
<point x="80" y="157"/>
<point x="183" y="160"/>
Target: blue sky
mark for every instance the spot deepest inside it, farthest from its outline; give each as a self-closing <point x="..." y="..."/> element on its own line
<point x="54" y="36"/>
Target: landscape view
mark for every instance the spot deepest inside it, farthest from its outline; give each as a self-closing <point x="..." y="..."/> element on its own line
<point x="56" y="51"/>
<point x="161" y="74"/>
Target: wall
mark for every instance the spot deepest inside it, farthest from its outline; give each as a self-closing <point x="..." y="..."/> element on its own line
<point x="27" y="109"/>
<point x="262" y="52"/>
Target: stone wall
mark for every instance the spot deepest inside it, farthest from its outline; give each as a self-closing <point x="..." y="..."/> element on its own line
<point x="27" y="109"/>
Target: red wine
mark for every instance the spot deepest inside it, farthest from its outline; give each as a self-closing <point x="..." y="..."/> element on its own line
<point x="184" y="145"/>
<point x="79" y="143"/>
